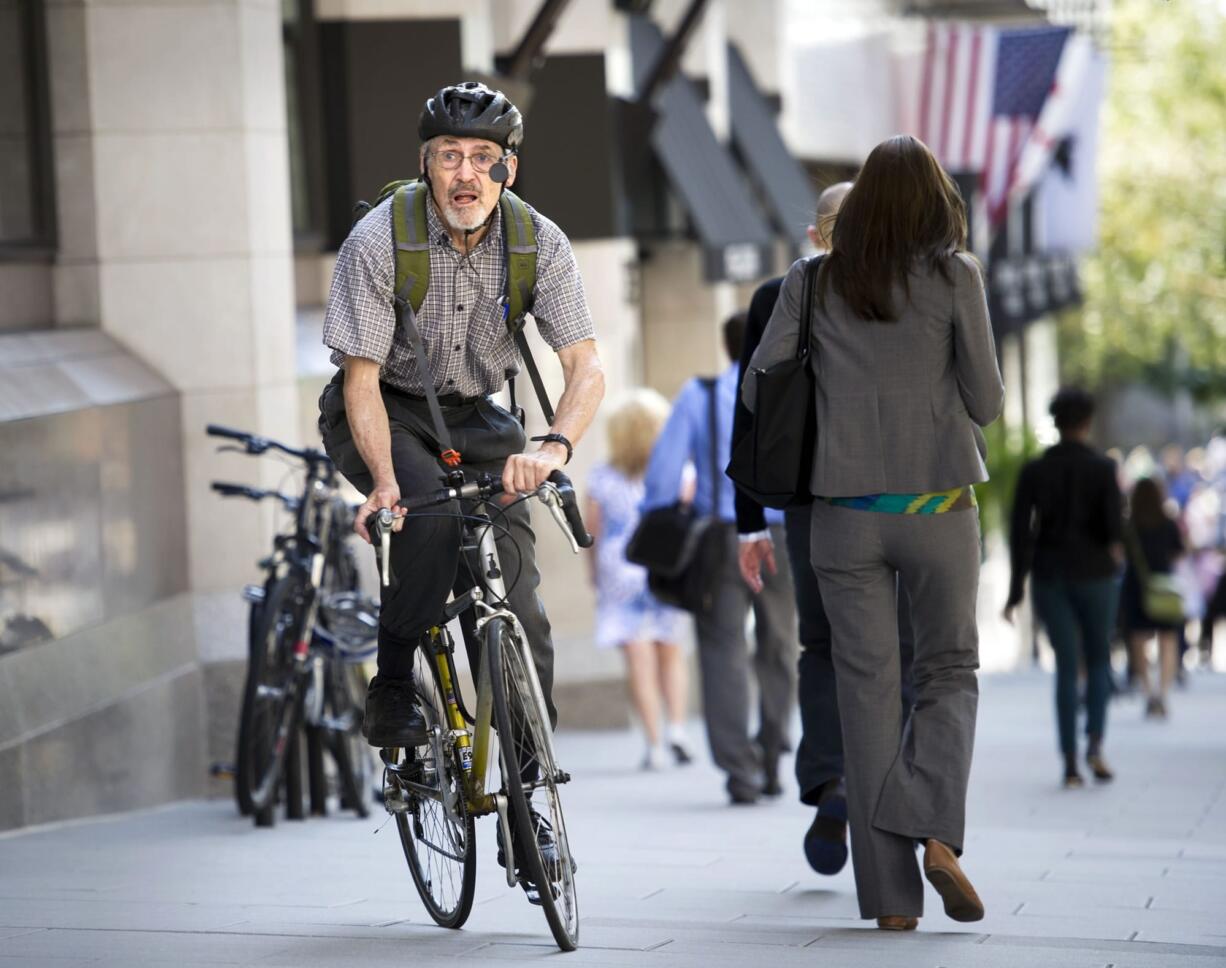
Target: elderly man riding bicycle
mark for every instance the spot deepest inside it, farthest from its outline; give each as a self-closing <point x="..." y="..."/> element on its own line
<point x="419" y="360"/>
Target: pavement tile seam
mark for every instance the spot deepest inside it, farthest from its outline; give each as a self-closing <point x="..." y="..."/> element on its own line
<point x="1102" y="944"/>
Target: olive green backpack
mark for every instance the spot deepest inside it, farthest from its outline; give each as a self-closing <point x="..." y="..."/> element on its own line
<point x="412" y="241"/>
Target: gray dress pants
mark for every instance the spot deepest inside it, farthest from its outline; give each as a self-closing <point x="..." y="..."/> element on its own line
<point x="906" y="781"/>
<point x="819" y="755"/>
<point x="724" y="665"/>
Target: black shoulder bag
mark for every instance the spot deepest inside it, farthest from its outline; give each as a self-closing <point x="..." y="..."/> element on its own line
<point x="681" y="550"/>
<point x="772" y="461"/>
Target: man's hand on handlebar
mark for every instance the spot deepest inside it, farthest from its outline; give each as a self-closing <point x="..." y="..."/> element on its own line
<point x="526" y="472"/>
<point x="383" y="496"/>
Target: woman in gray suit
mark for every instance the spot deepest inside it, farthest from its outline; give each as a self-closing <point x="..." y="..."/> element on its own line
<point x="906" y="374"/>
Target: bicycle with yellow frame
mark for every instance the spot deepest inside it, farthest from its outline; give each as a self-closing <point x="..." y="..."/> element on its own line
<point x="491" y="761"/>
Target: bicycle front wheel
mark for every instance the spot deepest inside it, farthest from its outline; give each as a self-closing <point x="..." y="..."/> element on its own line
<point x="525" y="743"/>
<point x="436" y="829"/>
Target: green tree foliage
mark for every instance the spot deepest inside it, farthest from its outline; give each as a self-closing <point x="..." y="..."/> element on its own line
<point x="1155" y="291"/>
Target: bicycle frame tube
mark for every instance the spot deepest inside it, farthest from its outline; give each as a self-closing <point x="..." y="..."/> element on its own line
<point x="491" y="564"/>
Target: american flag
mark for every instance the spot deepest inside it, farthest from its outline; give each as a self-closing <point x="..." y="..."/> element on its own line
<point x="981" y="98"/>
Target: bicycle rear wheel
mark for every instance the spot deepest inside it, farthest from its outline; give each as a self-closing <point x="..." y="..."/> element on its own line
<point x="436" y="830"/>
<point x="525" y="743"/>
<point x="270" y="702"/>
<point x="242" y="792"/>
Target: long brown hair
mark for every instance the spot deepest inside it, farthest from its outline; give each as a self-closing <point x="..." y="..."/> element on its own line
<point x="1147" y="507"/>
<point x="902" y="212"/>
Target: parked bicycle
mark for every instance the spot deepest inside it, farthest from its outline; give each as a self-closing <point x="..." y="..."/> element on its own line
<point x="436" y="790"/>
<point x="309" y="631"/>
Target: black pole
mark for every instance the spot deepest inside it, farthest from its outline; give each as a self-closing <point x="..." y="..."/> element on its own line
<point x="521" y="61"/>
<point x="669" y="61"/>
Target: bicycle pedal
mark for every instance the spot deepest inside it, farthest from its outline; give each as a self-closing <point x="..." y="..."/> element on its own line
<point x="561" y="777"/>
<point x="531" y="892"/>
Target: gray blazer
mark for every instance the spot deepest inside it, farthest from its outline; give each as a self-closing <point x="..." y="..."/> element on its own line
<point x="899" y="405"/>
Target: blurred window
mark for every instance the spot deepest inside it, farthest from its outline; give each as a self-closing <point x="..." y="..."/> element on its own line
<point x="299" y="32"/>
<point x="27" y="224"/>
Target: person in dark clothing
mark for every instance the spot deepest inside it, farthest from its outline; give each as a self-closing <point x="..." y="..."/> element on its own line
<point x="1066" y="528"/>
<point x="819" y="755"/>
<point x="1154" y="536"/>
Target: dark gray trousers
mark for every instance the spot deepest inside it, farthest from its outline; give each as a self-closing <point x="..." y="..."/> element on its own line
<point x="426" y="555"/>
<point x="819" y="755"/>
<point x="724" y="664"/>
<point x="905" y="781"/>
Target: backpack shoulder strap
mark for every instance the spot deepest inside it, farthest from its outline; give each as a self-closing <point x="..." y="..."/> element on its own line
<point x="519" y="238"/>
<point x="519" y="243"/>
<point x="412" y="278"/>
<point x="412" y="243"/>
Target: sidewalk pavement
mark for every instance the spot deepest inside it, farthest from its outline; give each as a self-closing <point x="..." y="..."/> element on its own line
<point x="1130" y="875"/>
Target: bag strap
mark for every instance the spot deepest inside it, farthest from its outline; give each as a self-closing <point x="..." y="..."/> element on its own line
<point x="520" y="250"/>
<point x="804" y="341"/>
<point x="412" y="278"/>
<point x="1136" y="553"/>
<point x="712" y="387"/>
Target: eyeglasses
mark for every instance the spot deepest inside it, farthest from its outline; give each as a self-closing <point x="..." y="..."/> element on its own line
<point x="482" y="161"/>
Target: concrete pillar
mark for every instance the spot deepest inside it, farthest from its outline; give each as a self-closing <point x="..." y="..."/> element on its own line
<point x="178" y="238"/>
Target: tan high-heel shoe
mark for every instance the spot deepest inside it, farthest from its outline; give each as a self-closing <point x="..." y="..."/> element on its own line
<point x="945" y="874"/>
<point x="897" y="923"/>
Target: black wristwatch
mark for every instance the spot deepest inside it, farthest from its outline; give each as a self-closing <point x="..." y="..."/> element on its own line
<point x="558" y="439"/>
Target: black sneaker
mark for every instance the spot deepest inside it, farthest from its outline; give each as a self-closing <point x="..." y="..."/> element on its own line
<point x="392" y="717"/>
<point x="545" y="841"/>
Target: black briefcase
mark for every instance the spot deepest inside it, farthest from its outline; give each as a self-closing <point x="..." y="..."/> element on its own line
<point x="683" y="554"/>
<point x="683" y="551"/>
<point x="772" y="461"/>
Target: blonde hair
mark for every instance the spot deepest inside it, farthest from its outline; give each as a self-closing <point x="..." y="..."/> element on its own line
<point x="632" y="429"/>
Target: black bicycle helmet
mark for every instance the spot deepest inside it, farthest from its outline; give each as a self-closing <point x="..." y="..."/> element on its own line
<point x="472" y="110"/>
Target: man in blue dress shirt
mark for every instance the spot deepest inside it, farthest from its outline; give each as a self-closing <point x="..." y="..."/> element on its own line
<point x="751" y="763"/>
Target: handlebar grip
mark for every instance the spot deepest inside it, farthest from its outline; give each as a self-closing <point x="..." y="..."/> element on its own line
<point x="433" y="499"/>
<point x="216" y="430"/>
<point x="226" y="489"/>
<point x="570" y="507"/>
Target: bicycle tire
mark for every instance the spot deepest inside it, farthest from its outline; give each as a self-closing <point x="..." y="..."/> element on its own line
<point x="347" y="745"/>
<point x="242" y="790"/>
<point x="524" y="732"/>
<point x="445" y="881"/>
<point x="271" y="710"/>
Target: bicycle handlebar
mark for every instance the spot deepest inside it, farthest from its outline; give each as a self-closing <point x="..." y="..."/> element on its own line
<point x="227" y="489"/>
<point x="256" y="445"/>
<point x="557" y="494"/>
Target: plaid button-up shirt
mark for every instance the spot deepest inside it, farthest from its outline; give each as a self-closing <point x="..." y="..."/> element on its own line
<point x="470" y="351"/>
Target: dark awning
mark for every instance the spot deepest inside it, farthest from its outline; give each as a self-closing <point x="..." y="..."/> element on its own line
<point x="1023" y="288"/>
<point x="736" y="237"/>
<point x="784" y="184"/>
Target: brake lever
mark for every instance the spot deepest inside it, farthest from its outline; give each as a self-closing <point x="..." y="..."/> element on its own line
<point x="550" y="497"/>
<point x="383" y="550"/>
<point x="231" y="448"/>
